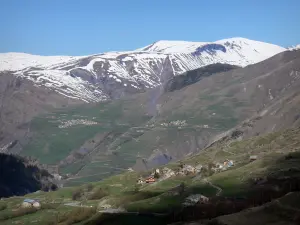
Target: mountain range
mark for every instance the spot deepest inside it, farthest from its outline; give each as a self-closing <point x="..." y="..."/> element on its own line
<point x="189" y="105"/>
<point x="219" y="121"/>
<point x="31" y="85"/>
<point x="112" y="75"/>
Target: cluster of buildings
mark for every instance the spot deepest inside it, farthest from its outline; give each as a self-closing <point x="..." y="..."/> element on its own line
<point x="175" y="123"/>
<point x="156" y="175"/>
<point x="223" y="166"/>
<point x="70" y="123"/>
<point x="165" y="173"/>
<point x="183" y="170"/>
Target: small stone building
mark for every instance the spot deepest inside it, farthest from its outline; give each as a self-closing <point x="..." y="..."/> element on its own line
<point x="253" y="157"/>
<point x="186" y="170"/>
<point x="198" y="168"/>
<point x="203" y="199"/>
<point x="31" y="203"/>
<point x="140" y="181"/>
<point x="166" y="173"/>
<point x="150" y="180"/>
<point x="195" y="199"/>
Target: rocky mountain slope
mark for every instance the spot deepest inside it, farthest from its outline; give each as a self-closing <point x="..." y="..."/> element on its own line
<point x="19" y="176"/>
<point x="152" y="128"/>
<point x="112" y="75"/>
<point x="260" y="98"/>
<point x="201" y="119"/>
<point x="31" y="85"/>
<point x="20" y="101"/>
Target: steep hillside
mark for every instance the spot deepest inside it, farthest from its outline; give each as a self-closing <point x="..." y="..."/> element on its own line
<point x="196" y="75"/>
<point x="20" y="101"/>
<point x="152" y="128"/>
<point x="30" y="84"/>
<point x="284" y="210"/>
<point x="263" y="183"/>
<point x="19" y="176"/>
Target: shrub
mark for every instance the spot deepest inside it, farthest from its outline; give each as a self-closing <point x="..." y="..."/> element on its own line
<point x="77" y="194"/>
<point x="181" y="165"/>
<point x="207" y="171"/>
<point x="98" y="194"/>
<point x="3" y="206"/>
<point x="156" y="175"/>
<point x="89" y="187"/>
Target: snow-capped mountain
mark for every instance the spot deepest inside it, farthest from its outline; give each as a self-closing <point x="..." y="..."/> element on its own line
<point x="297" y="47"/>
<point x="114" y="74"/>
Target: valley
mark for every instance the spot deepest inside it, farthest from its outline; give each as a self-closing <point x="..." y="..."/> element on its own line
<point x="142" y="131"/>
<point x="188" y="125"/>
<point x="268" y="171"/>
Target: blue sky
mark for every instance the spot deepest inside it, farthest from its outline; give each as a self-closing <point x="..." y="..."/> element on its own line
<point x="81" y="27"/>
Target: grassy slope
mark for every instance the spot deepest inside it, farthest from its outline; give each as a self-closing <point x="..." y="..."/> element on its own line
<point x="51" y="145"/>
<point x="284" y="211"/>
<point x="121" y="189"/>
<point x="220" y="101"/>
<point x="127" y="120"/>
<point x="121" y="118"/>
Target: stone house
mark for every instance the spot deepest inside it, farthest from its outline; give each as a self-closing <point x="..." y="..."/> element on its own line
<point x="166" y="173"/>
<point x="198" y="168"/>
<point x="253" y="157"/>
<point x="150" y="180"/>
<point x="195" y="199"/>
<point x="140" y="181"/>
<point x="31" y="203"/>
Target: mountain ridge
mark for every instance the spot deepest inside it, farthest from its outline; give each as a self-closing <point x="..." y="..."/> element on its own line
<point x="112" y="75"/>
<point x="177" y="124"/>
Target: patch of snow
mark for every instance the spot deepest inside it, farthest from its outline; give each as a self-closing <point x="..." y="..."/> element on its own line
<point x="172" y="46"/>
<point x="294" y="48"/>
<point x="14" y="61"/>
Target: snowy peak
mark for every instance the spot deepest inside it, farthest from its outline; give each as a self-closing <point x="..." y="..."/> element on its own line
<point x="115" y="74"/>
<point x="164" y="46"/>
<point x="13" y="61"/>
<point x="297" y="47"/>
